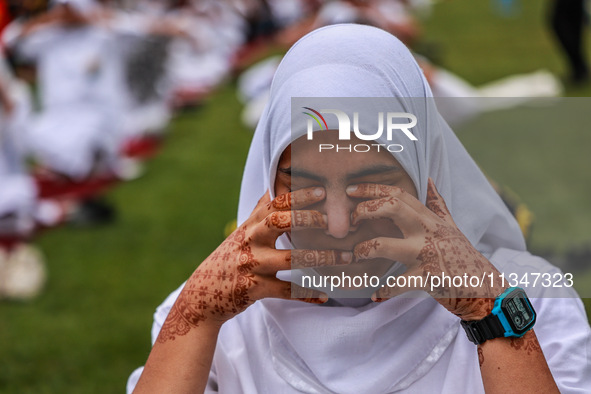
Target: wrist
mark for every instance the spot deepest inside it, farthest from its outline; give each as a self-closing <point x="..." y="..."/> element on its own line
<point x="483" y="306"/>
<point x="512" y="315"/>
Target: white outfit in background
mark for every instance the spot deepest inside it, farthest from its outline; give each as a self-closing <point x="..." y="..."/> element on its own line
<point x="287" y="12"/>
<point x="406" y="345"/>
<point x="80" y="80"/>
<point x="200" y="63"/>
<point x="196" y="63"/>
<point x="18" y="192"/>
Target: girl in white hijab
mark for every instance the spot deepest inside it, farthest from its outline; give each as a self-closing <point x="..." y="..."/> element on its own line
<point x="350" y="346"/>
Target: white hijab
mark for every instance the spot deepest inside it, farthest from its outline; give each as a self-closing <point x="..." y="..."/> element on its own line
<point x="374" y="347"/>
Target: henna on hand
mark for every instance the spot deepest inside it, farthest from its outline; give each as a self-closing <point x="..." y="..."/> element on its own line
<point x="214" y="292"/>
<point x="315" y="258"/>
<point x="432" y="245"/>
<point x="449" y="251"/>
<point x="243" y="268"/>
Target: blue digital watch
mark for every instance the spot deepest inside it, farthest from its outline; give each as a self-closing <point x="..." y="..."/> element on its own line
<point x="512" y="316"/>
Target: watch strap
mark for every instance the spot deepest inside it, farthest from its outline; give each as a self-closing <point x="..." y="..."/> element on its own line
<point x="479" y="331"/>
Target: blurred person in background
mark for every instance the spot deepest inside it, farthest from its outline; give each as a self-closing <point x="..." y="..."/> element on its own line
<point x="76" y="136"/>
<point x="22" y="266"/>
<point x="205" y="37"/>
<point x="568" y="19"/>
<point x="398" y="18"/>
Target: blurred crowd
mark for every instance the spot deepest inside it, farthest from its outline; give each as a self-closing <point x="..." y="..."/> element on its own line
<point x="87" y="88"/>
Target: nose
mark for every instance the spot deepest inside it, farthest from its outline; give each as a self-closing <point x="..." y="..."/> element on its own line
<point x="338" y="207"/>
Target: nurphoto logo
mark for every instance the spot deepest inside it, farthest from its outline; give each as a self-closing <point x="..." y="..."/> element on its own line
<point x="392" y="120"/>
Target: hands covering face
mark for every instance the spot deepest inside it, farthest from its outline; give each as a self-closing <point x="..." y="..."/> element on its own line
<point x="432" y="245"/>
<point x="243" y="268"/>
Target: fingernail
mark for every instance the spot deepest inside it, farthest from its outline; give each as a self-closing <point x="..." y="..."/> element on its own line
<point x="351" y="189"/>
<point x="375" y="298"/>
<point x="347" y="257"/>
<point x="323" y="298"/>
<point x="318" y="192"/>
<point x="325" y="218"/>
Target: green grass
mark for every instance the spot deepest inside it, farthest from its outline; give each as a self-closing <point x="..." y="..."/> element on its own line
<point x="541" y="153"/>
<point x="91" y="326"/>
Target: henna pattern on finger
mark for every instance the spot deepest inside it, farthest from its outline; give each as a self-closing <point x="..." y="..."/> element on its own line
<point x="311" y="258"/>
<point x="279" y="220"/>
<point x="285" y="219"/>
<point x="316" y="258"/>
<point x="312" y="219"/>
<point x="374" y="189"/>
<point x="371" y="206"/>
<point x="293" y="199"/>
<point x="281" y="202"/>
<point x="304" y="294"/>
<point x="434" y="203"/>
<point x="365" y="248"/>
<point x="374" y="205"/>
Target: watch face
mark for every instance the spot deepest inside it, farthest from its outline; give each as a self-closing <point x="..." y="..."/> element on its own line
<point x="518" y="311"/>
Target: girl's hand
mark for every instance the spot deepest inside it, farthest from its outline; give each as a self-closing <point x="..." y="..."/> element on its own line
<point x="243" y="268"/>
<point x="432" y="246"/>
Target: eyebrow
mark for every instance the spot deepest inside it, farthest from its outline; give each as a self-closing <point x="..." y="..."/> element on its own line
<point x="301" y="173"/>
<point x="373" y="170"/>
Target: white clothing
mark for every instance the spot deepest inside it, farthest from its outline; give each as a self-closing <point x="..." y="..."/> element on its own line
<point x="287" y="12"/>
<point x="203" y="61"/>
<point x="457" y="370"/>
<point x="17" y="190"/>
<point x="337" y="11"/>
<point x="80" y="81"/>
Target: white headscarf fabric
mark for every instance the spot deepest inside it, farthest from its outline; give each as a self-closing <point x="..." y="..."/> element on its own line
<point x="362" y="61"/>
<point x="340" y="348"/>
